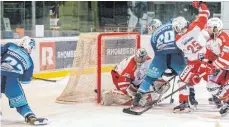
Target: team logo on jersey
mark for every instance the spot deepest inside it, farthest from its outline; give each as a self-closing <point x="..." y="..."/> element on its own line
<point x="153" y="72"/>
<point x="200" y="56"/>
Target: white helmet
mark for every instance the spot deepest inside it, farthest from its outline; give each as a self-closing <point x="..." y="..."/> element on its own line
<point x="179" y="23"/>
<point x="140" y="56"/>
<point x="156" y="23"/>
<point x="27" y="43"/>
<point x="215" y="24"/>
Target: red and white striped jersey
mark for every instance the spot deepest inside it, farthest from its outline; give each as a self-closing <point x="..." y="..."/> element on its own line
<point x="130" y="73"/>
<point x="218" y="51"/>
<point x="193" y="40"/>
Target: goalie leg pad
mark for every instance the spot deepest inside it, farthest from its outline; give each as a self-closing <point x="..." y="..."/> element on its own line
<point x="114" y="97"/>
<point x="161" y="86"/>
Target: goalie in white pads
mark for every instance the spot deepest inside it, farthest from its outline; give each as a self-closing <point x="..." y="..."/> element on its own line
<point x="127" y="76"/>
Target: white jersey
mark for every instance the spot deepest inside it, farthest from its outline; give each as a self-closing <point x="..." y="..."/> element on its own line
<point x="192" y="44"/>
<point x="129" y="68"/>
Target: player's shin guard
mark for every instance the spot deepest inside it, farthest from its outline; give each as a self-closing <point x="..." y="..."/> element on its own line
<point x="184" y="93"/>
<point x="183" y="99"/>
<point x="192" y="99"/>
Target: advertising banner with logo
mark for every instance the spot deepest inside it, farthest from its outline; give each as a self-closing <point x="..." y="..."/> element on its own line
<point x="115" y="50"/>
<point x="47" y="55"/>
<point x="65" y="51"/>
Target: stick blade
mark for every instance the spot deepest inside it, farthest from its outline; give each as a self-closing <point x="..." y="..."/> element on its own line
<point x="136" y="110"/>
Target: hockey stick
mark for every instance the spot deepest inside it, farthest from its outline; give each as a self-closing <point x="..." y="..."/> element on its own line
<point x="48" y="80"/>
<point x="171" y="99"/>
<point x="51" y="80"/>
<point x="161" y="85"/>
<point x="154" y="103"/>
<point x="180" y="88"/>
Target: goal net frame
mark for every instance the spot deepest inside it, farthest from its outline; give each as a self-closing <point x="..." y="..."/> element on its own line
<point x="99" y="64"/>
<point x="79" y="86"/>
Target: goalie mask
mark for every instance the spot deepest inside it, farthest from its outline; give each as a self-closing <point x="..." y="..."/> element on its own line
<point x="179" y="25"/>
<point x="153" y="25"/>
<point x="140" y="56"/>
<point x="27" y="43"/>
<point x="214" y="27"/>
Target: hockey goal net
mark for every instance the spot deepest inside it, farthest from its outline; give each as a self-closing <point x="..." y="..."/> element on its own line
<point x="96" y="53"/>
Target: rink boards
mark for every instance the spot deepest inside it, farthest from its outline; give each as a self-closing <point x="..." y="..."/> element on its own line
<point x="53" y="57"/>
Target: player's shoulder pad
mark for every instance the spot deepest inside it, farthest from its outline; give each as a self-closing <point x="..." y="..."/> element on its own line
<point x="6" y="45"/>
<point x="163" y="27"/>
<point x="11" y="44"/>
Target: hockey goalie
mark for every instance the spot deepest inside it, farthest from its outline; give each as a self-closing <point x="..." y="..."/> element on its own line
<point x="127" y="76"/>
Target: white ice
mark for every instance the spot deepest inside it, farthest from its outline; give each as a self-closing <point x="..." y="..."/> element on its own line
<point x="41" y="96"/>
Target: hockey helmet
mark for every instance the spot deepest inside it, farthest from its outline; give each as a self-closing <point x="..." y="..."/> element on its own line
<point x="179" y="24"/>
<point x="27" y="43"/>
<point x="140" y="55"/>
<point x="214" y="26"/>
<point x="153" y="25"/>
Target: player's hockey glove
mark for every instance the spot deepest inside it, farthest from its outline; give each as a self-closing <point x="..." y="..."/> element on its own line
<point x="195" y="79"/>
<point x="197" y="4"/>
<point x="210" y="69"/>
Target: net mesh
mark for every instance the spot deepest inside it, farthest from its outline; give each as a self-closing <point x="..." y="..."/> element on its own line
<point x="83" y="76"/>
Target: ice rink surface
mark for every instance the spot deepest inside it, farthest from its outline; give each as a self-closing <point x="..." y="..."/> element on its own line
<point x="41" y="96"/>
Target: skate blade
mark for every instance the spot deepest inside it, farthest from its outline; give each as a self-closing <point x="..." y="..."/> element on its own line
<point x="193" y="107"/>
<point x="186" y="110"/>
<point x="211" y="102"/>
<point x="224" y="114"/>
<point x="44" y="122"/>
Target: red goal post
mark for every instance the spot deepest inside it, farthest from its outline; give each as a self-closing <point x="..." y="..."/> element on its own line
<point x="99" y="56"/>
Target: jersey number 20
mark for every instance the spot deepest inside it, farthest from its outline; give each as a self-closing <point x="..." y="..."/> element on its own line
<point x="168" y="36"/>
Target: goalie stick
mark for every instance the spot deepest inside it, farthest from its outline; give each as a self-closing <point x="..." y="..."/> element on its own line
<point x="148" y="106"/>
<point x="152" y="104"/>
<point x="130" y="110"/>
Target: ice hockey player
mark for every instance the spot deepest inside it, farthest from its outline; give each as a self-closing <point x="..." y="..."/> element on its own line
<point x="16" y="68"/>
<point x="191" y="41"/>
<point x="168" y="58"/>
<point x="216" y="63"/>
<point x="127" y="76"/>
